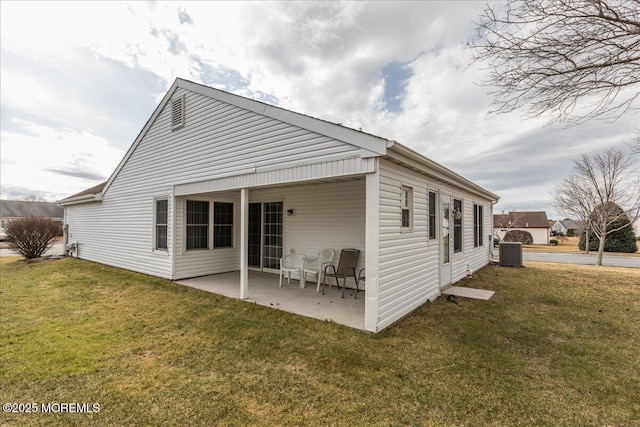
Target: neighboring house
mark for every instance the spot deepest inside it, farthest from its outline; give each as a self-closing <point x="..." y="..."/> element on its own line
<point x="558" y="228"/>
<point x="571" y="228"/>
<point x="567" y="227"/>
<point x="216" y="183"/>
<point x="535" y="223"/>
<point x="12" y="209"/>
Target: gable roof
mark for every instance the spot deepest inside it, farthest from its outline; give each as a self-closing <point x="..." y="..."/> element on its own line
<point x="21" y="208"/>
<point x="371" y="145"/>
<point x="521" y="220"/>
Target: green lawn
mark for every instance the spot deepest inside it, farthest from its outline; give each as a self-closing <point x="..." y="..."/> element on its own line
<point x="557" y="345"/>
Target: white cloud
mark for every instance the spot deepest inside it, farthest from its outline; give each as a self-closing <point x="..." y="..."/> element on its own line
<point x="55" y="161"/>
<point x="85" y="76"/>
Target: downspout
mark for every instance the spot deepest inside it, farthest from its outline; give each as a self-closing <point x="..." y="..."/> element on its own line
<point x="173" y="232"/>
<point x="65" y="233"/>
<point x="65" y="239"/>
<point x="491" y="255"/>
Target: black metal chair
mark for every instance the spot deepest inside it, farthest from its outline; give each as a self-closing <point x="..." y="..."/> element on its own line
<point x="346" y="268"/>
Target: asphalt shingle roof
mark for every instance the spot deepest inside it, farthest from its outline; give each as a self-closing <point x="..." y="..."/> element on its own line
<point x="93" y="190"/>
<point x="21" y="208"/>
<point x="521" y="220"/>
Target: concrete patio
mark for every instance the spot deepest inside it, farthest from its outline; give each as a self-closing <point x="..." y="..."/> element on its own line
<point x="264" y="290"/>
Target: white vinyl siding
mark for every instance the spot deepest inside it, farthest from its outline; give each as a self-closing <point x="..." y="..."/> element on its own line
<point x="218" y="139"/>
<point x="119" y="232"/>
<point x="326" y="215"/>
<point x="409" y="266"/>
<point x="222" y="148"/>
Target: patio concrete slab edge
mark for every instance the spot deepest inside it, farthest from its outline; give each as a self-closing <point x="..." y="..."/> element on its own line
<point x="460" y="291"/>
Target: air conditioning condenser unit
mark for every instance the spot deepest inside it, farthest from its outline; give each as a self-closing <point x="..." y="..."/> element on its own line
<point x="511" y="254"/>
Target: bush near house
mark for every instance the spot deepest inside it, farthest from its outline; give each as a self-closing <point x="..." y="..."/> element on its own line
<point x="521" y="236"/>
<point x="32" y="236"/>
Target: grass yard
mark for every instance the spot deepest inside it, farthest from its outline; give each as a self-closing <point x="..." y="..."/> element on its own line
<point x="556" y="346"/>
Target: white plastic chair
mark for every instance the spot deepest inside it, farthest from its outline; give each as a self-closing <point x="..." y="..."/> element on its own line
<point x="290" y="264"/>
<point x="316" y="266"/>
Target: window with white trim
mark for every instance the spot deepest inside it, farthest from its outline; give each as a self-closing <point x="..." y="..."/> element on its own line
<point x="222" y="225"/>
<point x="406" y="203"/>
<point x="177" y="112"/>
<point x="161" y="224"/>
<point x="477" y="226"/>
<point x="432" y="215"/>
<point x="457" y="225"/>
<point x="197" y="224"/>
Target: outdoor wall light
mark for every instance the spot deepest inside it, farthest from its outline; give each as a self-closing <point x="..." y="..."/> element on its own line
<point x="289" y="212"/>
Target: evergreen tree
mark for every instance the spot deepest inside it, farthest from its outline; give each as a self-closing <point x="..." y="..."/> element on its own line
<point x="622" y="240"/>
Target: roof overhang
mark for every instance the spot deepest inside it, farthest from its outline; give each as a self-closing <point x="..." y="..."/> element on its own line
<point x="85" y="198"/>
<point x="405" y="156"/>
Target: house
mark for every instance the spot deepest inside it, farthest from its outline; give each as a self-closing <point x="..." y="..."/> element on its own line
<point x="534" y="223"/>
<point x="566" y="227"/>
<point x="216" y="183"/>
<point x="12" y="209"/>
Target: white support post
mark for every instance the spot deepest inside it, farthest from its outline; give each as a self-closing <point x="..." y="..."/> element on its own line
<point x="372" y="233"/>
<point x="244" y="243"/>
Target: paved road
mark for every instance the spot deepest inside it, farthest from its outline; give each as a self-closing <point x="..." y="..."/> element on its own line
<point x="612" y="261"/>
<point x="56" y="249"/>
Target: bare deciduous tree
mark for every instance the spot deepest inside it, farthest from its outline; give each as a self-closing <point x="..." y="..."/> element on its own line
<point x="599" y="183"/>
<point x="634" y="145"/>
<point x="576" y="59"/>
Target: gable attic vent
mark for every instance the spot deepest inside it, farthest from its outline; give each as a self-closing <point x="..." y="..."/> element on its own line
<point x="177" y="112"/>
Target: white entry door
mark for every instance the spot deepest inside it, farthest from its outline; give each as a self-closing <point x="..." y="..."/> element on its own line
<point x="445" y="239"/>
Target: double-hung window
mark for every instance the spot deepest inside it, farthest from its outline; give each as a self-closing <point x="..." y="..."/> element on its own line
<point x="457" y="225"/>
<point x="222" y="225"/>
<point x="432" y="215"/>
<point x="162" y="223"/>
<point x="477" y="226"/>
<point x="406" y="203"/>
<point x="197" y="224"/>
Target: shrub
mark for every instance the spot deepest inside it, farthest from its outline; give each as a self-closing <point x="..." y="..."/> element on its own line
<point x="553" y="242"/>
<point x="31" y="236"/>
<point x="521" y="236"/>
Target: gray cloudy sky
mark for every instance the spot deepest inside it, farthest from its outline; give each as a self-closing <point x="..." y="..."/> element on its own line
<point x="79" y="81"/>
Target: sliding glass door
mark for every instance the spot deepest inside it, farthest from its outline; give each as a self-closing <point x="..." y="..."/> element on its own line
<point x="265" y="235"/>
